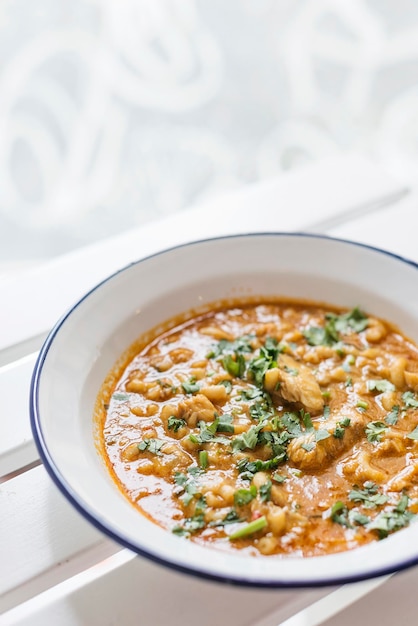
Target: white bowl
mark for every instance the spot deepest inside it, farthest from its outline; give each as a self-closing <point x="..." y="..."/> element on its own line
<point x="88" y="340"/>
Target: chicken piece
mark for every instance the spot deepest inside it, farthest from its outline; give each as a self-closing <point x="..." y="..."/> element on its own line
<point x="320" y="454"/>
<point x="196" y="408"/>
<point x="360" y="469"/>
<point x="297" y="384"/>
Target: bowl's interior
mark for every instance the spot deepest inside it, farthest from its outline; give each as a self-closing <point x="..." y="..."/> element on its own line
<point x="85" y="345"/>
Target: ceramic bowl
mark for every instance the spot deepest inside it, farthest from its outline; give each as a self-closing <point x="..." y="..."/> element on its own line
<point x="85" y="344"/>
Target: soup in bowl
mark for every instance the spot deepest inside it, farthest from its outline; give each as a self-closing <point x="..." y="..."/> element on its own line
<point x="242" y="408"/>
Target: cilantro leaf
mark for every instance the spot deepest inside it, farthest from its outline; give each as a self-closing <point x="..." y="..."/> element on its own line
<point x="152" y="445"/>
<point x="380" y="385"/>
<point x="248" y="439"/>
<point x="308" y="446"/>
<point x="225" y="424"/>
<point x="240" y="345"/>
<point x="392" y="417"/>
<point x="175" y="423"/>
<point x="368" y="496"/>
<point x="339" y="514"/>
<point x="291" y="422"/>
<point x="120" y="397"/>
<point x="191" y="386"/>
<point x="375" y="430"/>
<point x="265" y="491"/>
<point x="230" y="518"/>
<point x="316" y="336"/>
<point x="410" y="400"/>
<point x="248" y="468"/>
<point x="390" y="521"/>
<point x="321" y="434"/>
<point x="244" y="496"/>
<point x="190" y="525"/>
<point x="227" y="384"/>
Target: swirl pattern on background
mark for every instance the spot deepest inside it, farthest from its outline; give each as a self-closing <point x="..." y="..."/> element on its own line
<point x="113" y="112"/>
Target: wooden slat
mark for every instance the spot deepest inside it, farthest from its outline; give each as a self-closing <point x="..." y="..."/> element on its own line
<point x="394" y="603"/>
<point x="40" y="530"/>
<point x="17" y="448"/>
<point x="130" y="591"/>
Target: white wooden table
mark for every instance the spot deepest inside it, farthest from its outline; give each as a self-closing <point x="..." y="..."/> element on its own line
<point x="54" y="567"/>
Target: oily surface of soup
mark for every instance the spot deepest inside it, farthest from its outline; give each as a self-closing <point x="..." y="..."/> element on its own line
<point x="276" y="428"/>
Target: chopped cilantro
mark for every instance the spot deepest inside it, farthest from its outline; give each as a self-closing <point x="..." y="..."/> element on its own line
<point x="340" y="427"/>
<point x="368" y="496"/>
<point x="319" y="336"/>
<point x="272" y="348"/>
<point x="152" y="445"/>
<point x="265" y="491"/>
<point x="248" y="439"/>
<point x="175" y="423"/>
<point x="257" y="369"/>
<point x="225" y="424"/>
<point x="380" y="385"/>
<point x="410" y="400"/>
<point x="359" y="518"/>
<point x="248" y="468"/>
<point x="244" y="496"/>
<point x="120" y="397"/>
<point x="308" y="446"/>
<point x="279" y="478"/>
<point x="251" y="393"/>
<point x="188" y="488"/>
<point x="207" y="432"/>
<point x="354" y="320"/>
<point x="291" y="422"/>
<point x="328" y="335"/>
<point x="375" y="430"/>
<point x="190" y="525"/>
<point x="389" y="521"/>
<point x="262" y="409"/>
<point x="240" y="345"/>
<point x="339" y="514"/>
<point x="191" y="386"/>
<point x="230" y="518"/>
<point x="392" y="417"/>
<point x="227" y="384"/>
<point x="321" y="434"/>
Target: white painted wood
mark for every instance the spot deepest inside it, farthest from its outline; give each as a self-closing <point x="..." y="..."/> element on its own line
<point x="17" y="448"/>
<point x="300" y="200"/>
<point x="394" y="228"/>
<point x="394" y="603"/>
<point x="39" y="530"/>
<point x="130" y="591"/>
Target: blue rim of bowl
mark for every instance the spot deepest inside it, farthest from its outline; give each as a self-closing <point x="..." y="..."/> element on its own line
<point x="102" y="525"/>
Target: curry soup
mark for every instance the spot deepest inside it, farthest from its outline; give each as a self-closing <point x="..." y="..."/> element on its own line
<point x="276" y="428"/>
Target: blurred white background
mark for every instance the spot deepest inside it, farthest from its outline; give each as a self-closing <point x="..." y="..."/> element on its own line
<point x="113" y="112"/>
